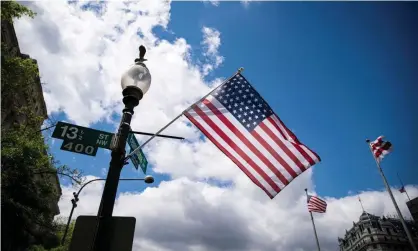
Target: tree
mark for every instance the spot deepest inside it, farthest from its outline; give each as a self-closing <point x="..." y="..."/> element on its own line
<point x="29" y="183"/>
<point x="28" y="189"/>
<point x="13" y="9"/>
<point x="60" y="233"/>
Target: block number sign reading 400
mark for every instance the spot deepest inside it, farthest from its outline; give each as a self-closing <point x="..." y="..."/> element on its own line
<point x="78" y="148"/>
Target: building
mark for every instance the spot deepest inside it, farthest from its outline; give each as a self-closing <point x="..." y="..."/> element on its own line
<point x="413" y="208"/>
<point x="373" y="233"/>
<point x="31" y="97"/>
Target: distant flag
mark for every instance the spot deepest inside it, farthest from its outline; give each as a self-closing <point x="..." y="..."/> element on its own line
<point x="317" y="205"/>
<point x="244" y="127"/>
<point x="380" y="148"/>
<point x="402" y="189"/>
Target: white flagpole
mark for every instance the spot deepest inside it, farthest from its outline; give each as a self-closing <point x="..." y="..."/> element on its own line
<point x="411" y="240"/>
<point x="407" y="195"/>
<point x="172" y="121"/>
<point x="313" y="224"/>
<point x="361" y="203"/>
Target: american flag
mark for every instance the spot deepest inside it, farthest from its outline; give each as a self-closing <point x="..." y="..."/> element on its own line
<point x="317" y="205"/>
<point x="244" y="127"/>
<point x="380" y="148"/>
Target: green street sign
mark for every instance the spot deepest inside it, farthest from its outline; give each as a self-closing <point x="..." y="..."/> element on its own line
<point x="83" y="135"/>
<point x="79" y="147"/>
<point x="138" y="158"/>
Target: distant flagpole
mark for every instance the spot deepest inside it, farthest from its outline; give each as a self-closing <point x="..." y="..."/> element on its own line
<point x="408" y="233"/>
<point x="361" y="204"/>
<point x="172" y="121"/>
<point x="403" y="186"/>
<point x="313" y="224"/>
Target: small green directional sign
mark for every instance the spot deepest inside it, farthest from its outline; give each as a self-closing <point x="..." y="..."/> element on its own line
<point x="82" y="135"/>
<point x="138" y="158"/>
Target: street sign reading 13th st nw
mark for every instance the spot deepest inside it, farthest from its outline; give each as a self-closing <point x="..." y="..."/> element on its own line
<point x="80" y="139"/>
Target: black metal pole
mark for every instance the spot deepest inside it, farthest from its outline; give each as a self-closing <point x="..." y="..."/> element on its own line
<point x="131" y="98"/>
<point x="68" y="224"/>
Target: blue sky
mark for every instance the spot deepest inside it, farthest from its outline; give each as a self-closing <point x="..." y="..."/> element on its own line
<point x="333" y="79"/>
<point x="335" y="72"/>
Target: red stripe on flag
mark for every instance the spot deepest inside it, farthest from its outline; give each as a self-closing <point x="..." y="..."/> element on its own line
<point x="237" y="133"/>
<point x="282" y="146"/>
<point x="228" y="154"/>
<point x="297" y="146"/>
<point x="274" y="154"/>
<point x="236" y="148"/>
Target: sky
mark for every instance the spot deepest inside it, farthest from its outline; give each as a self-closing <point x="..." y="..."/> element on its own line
<point x="336" y="73"/>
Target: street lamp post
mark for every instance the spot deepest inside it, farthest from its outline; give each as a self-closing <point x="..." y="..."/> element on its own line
<point x="148" y="179"/>
<point x="135" y="83"/>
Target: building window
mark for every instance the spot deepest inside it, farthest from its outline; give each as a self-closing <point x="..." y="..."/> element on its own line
<point x="371" y="238"/>
<point x="368" y="230"/>
<point x="386" y="238"/>
<point x="388" y="230"/>
<point x="374" y="246"/>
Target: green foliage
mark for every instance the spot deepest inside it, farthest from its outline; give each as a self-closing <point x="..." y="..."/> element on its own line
<point x="18" y="75"/>
<point x="27" y="198"/>
<point x="29" y="187"/>
<point x="13" y="9"/>
<point x="60" y="233"/>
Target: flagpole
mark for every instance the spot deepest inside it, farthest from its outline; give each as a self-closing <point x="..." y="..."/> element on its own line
<point x="313" y="224"/>
<point x="177" y="117"/>
<point x="361" y="203"/>
<point x="407" y="195"/>
<point x="411" y="240"/>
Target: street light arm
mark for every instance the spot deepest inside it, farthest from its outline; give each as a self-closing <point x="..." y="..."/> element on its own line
<point x="85" y="184"/>
<point x="90" y="181"/>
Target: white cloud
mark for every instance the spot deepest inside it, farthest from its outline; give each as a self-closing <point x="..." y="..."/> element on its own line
<point x="190" y="215"/>
<point x="211" y="42"/>
<point x="213" y="2"/>
<point x="82" y="54"/>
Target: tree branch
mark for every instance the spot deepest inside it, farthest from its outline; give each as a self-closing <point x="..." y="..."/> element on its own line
<point x="60" y="173"/>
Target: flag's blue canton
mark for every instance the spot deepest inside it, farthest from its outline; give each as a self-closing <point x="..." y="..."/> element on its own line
<point x="243" y="102"/>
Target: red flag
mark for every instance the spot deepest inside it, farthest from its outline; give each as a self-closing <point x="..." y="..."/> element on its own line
<point x="380" y="148"/>
<point x="402" y="190"/>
